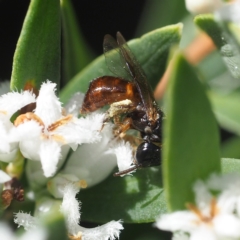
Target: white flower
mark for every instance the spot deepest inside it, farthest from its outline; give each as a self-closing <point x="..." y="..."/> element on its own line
<point x="203" y="6"/>
<point x="36" y="234"/>
<point x="93" y="162"/>
<point x="70" y="208"/>
<point x="229" y="12"/>
<point x="9" y="104"/>
<point x="229" y="185"/>
<point x="211" y="218"/>
<point x="42" y="134"/>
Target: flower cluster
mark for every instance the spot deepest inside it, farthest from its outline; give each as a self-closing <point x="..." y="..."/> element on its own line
<point x="215" y="215"/>
<point x="42" y="133"/>
<point x="47" y="135"/>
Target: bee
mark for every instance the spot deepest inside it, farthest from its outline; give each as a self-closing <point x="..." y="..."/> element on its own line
<point x="128" y="94"/>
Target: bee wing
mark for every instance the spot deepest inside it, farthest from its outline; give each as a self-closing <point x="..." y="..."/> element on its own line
<point x="139" y="78"/>
<point x="114" y="59"/>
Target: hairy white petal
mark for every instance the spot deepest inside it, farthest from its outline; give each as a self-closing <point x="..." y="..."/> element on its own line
<point x="74" y="104"/>
<point x="48" y="105"/>
<point x="26" y="131"/>
<point x="4" y="177"/>
<point x="177" y="221"/>
<point x="25" y="220"/>
<point x="107" y="231"/>
<point x="70" y="207"/>
<point x="4" y="140"/>
<point x="29" y="136"/>
<point x="92" y="121"/>
<point x="124" y="154"/>
<point x="50" y="153"/>
<point x="75" y="134"/>
<point x="13" y="101"/>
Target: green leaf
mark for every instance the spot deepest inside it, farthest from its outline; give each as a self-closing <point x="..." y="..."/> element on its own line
<point x="227" y="110"/>
<point x="230" y="165"/>
<point x="37" y="56"/>
<point x="151" y="50"/>
<point x="191" y="139"/>
<point x="138" y="198"/>
<point x="76" y="52"/>
<point x="230" y="148"/>
<point x="223" y="39"/>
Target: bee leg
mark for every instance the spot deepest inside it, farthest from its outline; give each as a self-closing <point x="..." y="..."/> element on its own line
<point x="122" y="126"/>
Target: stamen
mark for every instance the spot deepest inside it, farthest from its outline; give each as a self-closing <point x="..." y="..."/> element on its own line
<point x="55" y="137"/>
<point x="28" y="117"/>
<point x="214" y="210"/>
<point x="76" y="237"/>
<point x="207" y="219"/>
<point x="82" y="184"/>
<point x="59" y="123"/>
<point x="194" y="209"/>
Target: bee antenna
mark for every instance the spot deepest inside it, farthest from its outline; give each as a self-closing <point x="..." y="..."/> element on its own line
<point x="117" y="174"/>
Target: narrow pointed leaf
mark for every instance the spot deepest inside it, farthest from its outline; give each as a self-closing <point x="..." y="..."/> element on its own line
<point x="223" y="39"/>
<point x="151" y="51"/>
<point x="37" y="56"/>
<point x="191" y="139"/>
<point x="76" y="52"/>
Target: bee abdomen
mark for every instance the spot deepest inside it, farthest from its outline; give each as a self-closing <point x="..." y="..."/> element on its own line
<point x="107" y="90"/>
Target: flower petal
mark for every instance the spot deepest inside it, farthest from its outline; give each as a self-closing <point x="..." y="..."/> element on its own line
<point x="177" y="221"/>
<point x="107" y="231"/>
<point x="25" y="220"/>
<point x="48" y="105"/>
<point x="4" y="177"/>
<point x="50" y="153"/>
<point x="93" y="162"/>
<point x="124" y="154"/>
<point x="227" y="226"/>
<point x="13" y="101"/>
<point x="70" y="207"/>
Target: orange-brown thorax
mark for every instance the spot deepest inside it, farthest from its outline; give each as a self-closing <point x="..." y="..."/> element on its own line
<point x="107" y="90"/>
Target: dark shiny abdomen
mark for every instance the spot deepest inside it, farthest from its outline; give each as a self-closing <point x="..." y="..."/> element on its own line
<point x="107" y="90"/>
